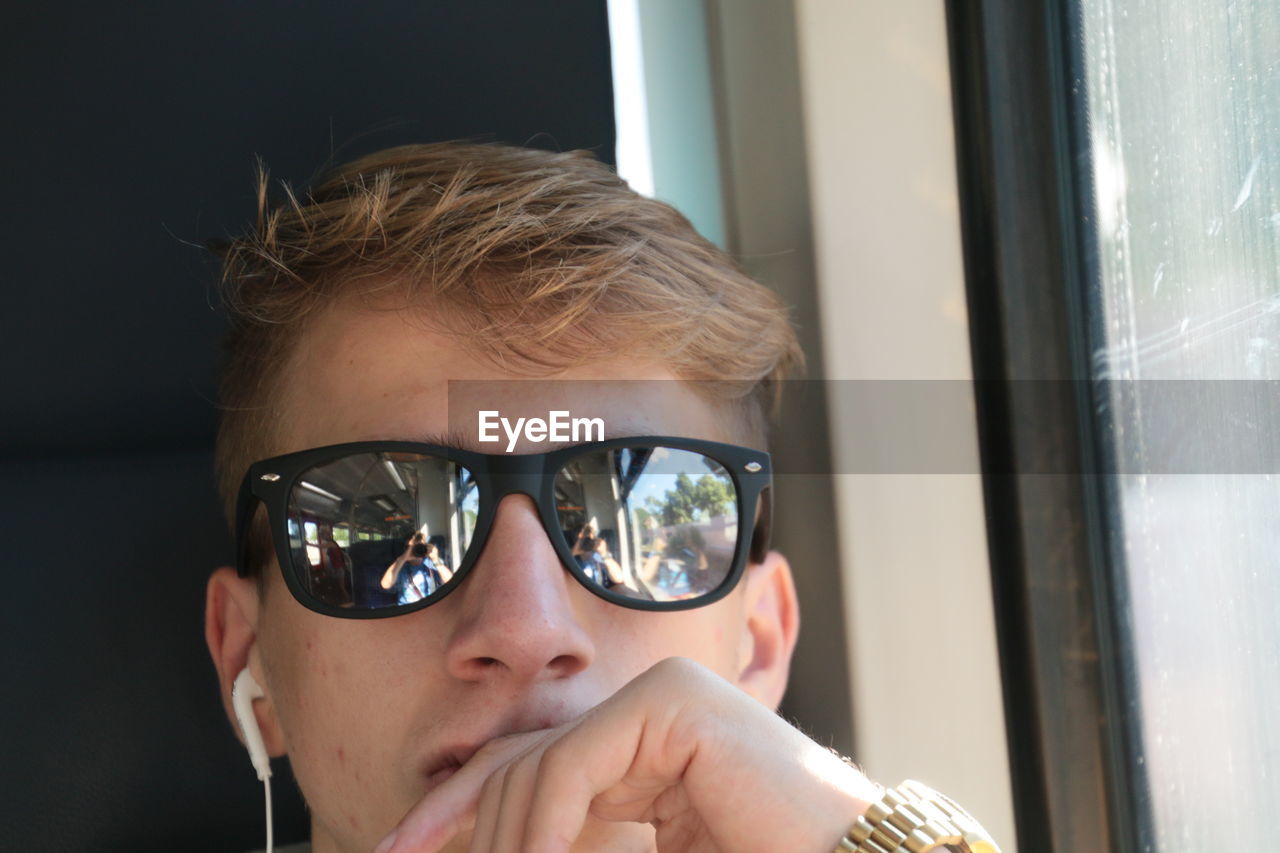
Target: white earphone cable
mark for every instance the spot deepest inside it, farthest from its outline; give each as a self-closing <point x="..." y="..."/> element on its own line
<point x="266" y="786"/>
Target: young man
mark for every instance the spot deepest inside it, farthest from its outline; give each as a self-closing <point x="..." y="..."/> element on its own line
<point x="525" y="704"/>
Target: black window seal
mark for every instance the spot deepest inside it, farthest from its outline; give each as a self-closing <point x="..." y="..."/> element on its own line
<point x="1031" y="272"/>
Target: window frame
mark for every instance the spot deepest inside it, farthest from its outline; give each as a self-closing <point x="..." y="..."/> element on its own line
<point x="1032" y="281"/>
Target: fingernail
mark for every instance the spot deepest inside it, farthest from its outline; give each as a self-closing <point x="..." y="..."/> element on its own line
<point x="386" y="844"/>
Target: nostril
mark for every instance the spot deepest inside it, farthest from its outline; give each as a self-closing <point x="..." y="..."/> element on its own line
<point x="566" y="664"/>
<point x="487" y="662"/>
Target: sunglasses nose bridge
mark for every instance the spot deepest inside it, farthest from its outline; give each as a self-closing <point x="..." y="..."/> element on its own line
<point x="524" y="475"/>
<point x="520" y="475"/>
<point x="517" y="484"/>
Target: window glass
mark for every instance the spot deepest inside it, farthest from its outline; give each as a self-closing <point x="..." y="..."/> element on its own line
<point x="1183" y="101"/>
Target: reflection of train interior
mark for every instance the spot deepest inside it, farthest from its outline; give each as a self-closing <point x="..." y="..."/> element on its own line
<point x="660" y="523"/>
<point x="351" y="519"/>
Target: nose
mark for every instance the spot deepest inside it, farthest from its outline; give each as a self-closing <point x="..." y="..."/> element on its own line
<point x="519" y="615"/>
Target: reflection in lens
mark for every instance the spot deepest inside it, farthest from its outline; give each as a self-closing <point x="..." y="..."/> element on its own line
<point x="651" y="523"/>
<point x="375" y="530"/>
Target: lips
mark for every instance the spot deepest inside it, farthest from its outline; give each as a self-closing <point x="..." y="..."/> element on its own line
<point x="451" y="759"/>
<point x="439" y="777"/>
<point x="445" y="762"/>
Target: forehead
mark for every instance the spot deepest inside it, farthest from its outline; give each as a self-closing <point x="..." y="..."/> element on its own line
<point x="362" y="374"/>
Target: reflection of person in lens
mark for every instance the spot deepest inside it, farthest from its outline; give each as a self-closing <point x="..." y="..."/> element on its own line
<point x="393" y="571"/>
<point x="335" y="566"/>
<point x="417" y="576"/>
<point x="684" y="572"/>
<point x="598" y="563"/>
<point x="418" y="572"/>
<point x="677" y="568"/>
<point x="438" y="563"/>
<point x="586" y="533"/>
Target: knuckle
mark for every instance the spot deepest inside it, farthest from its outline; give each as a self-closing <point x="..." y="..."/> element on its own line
<point x="677" y="666"/>
<point x="675" y="673"/>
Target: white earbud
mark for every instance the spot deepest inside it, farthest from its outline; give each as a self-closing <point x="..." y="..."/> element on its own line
<point x="243" y="692"/>
<point x="245" y="689"/>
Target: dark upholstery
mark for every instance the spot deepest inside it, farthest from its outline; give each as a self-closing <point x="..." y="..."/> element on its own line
<point x="130" y="136"/>
<point x="114" y="736"/>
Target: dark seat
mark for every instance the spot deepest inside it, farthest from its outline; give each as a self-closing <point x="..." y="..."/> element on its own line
<point x="369" y="560"/>
<point x="114" y="737"/>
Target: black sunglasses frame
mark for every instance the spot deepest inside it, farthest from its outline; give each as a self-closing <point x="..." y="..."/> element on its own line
<point x="271" y="481"/>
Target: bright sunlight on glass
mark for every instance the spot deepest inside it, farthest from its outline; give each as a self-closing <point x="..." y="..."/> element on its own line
<point x="1184" y="116"/>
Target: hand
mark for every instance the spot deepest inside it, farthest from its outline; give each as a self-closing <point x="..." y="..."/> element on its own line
<point x="679" y="748"/>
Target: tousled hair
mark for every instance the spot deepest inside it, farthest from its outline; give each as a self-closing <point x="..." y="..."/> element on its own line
<point x="551" y="258"/>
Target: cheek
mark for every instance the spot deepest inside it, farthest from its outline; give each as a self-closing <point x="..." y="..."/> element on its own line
<point x="337" y="721"/>
<point x="707" y="635"/>
<point x="307" y="689"/>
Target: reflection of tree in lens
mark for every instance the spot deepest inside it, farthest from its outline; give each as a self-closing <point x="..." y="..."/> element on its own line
<point x="689" y="500"/>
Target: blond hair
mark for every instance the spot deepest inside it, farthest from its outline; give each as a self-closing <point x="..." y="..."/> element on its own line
<point x="527" y="245"/>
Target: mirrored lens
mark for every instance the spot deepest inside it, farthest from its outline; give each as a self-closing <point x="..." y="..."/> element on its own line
<point x="651" y="523"/>
<point x="375" y="530"/>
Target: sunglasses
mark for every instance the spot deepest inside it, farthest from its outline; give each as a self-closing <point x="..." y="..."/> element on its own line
<point x="381" y="528"/>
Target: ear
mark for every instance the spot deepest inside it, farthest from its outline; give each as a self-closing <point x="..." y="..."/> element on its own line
<point x="231" y="631"/>
<point x="770" y="629"/>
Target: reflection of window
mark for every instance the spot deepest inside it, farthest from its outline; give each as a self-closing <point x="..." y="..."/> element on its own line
<point x="1184" y="117"/>
<point x="311" y="537"/>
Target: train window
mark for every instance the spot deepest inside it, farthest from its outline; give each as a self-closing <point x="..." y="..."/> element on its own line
<point x="1119" y="215"/>
<point x="1121" y="208"/>
<point x="1183" y="119"/>
<point x="311" y="536"/>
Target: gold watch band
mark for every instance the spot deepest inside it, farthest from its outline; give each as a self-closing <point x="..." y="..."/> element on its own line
<point x="914" y="818"/>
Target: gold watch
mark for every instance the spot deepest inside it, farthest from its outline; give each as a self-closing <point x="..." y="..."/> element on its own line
<point x="914" y="818"/>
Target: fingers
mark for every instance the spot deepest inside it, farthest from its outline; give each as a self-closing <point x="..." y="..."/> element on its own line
<point x="504" y="805"/>
<point x="546" y="778"/>
<point x="557" y="811"/>
<point x="596" y="757"/>
<point x="534" y="792"/>
<point x="614" y="764"/>
<point x="450" y="809"/>
<point x="488" y="812"/>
